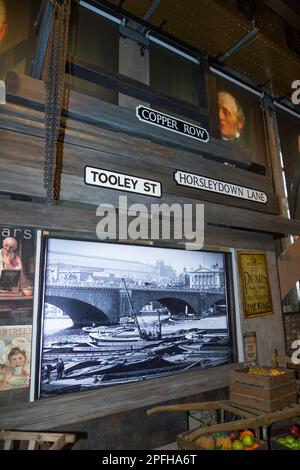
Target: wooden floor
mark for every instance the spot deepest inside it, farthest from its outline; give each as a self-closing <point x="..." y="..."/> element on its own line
<point x="58" y="412"/>
<point x="171" y="446"/>
<point x="193" y="424"/>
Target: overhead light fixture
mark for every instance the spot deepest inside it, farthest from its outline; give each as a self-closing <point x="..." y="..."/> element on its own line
<point x="237" y="82"/>
<point x="98" y="11"/>
<point x="179" y="52"/>
<point x="286" y="109"/>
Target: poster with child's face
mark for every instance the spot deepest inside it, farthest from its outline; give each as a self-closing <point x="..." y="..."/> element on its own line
<point x="15" y="347"/>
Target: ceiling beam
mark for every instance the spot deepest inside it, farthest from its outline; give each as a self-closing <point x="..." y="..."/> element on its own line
<point x="149" y="13"/>
<point x="285" y="12"/>
<point x="241" y="43"/>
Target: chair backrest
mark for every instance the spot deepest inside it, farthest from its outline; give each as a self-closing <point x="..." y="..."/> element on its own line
<point x="36" y="440"/>
<point x="276" y="359"/>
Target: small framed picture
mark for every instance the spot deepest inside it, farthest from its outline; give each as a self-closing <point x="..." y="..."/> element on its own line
<point x="250" y="347"/>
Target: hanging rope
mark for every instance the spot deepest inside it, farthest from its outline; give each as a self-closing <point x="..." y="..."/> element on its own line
<point x="54" y="84"/>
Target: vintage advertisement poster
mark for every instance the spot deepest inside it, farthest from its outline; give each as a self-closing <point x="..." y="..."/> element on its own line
<point x="15" y="347"/>
<point x="250" y="347"/>
<point x="255" y="284"/>
<point x="17" y="269"/>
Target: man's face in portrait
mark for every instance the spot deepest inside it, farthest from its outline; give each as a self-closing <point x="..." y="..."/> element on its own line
<point x="3" y="24"/>
<point x="231" y="116"/>
<point x="9" y="245"/>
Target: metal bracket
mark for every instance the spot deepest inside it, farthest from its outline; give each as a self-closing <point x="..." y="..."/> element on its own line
<point x="241" y="43"/>
<point x="267" y="103"/>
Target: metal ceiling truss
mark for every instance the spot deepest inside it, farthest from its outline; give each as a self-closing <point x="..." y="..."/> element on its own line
<point x="131" y="26"/>
<point x="241" y="43"/>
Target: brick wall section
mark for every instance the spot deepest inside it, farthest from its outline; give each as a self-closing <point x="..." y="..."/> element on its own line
<point x="292" y="329"/>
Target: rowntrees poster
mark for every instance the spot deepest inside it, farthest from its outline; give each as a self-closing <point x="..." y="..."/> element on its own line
<point x="15" y="347"/>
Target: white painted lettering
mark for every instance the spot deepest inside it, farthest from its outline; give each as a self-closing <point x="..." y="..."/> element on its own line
<point x="221" y="187"/>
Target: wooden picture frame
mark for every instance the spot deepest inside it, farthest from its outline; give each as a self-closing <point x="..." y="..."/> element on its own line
<point x="250" y="347"/>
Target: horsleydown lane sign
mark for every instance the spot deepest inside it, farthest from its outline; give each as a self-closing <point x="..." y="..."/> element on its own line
<point x="216" y="186"/>
<point x="159" y="119"/>
<point x="122" y="182"/>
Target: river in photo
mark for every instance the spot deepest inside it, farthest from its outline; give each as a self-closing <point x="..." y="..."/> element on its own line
<point x="108" y="355"/>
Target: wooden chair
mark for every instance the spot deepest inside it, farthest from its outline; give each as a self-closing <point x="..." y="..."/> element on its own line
<point x="36" y="440"/>
<point x="286" y="361"/>
<point x="276" y="359"/>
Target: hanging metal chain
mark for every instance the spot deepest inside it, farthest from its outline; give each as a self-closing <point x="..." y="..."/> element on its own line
<point x="54" y="84"/>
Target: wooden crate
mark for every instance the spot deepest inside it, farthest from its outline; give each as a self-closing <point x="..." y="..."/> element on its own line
<point x="243" y="420"/>
<point x="264" y="393"/>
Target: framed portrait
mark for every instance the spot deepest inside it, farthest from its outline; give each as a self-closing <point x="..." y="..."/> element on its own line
<point x="17" y="274"/>
<point x="240" y="121"/>
<point x="116" y="314"/>
<point x="254" y="277"/>
<point x="15" y="350"/>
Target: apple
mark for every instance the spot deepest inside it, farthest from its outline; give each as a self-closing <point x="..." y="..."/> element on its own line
<point x="294" y="430"/>
<point x="232" y="435"/>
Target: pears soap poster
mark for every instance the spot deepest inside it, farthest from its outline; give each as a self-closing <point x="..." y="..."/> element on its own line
<point x="15" y="347"/>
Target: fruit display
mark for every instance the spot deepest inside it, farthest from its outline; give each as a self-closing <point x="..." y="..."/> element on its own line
<point x="256" y="369"/>
<point x="207" y="441"/>
<point x="294" y="430"/>
<point x="292" y="439"/>
<point x="289" y="441"/>
<point x="244" y="440"/>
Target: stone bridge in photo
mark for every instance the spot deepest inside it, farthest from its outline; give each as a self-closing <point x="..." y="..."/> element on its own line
<point x="86" y="305"/>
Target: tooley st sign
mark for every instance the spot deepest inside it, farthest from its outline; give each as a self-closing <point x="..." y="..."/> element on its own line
<point x="121" y="182"/>
<point x="159" y="119"/>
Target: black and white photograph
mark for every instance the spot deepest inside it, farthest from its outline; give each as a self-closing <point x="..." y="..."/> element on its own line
<point x="116" y="314"/>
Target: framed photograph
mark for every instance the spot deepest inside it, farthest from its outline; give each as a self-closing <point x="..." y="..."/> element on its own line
<point x="17" y="273"/>
<point x="15" y="349"/>
<point x="255" y="284"/>
<point x="116" y="313"/>
<point x="250" y="347"/>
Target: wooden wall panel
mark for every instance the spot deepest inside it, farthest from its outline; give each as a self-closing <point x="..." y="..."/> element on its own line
<point x="27" y="146"/>
<point x="83" y="220"/>
<point x="135" y="430"/>
<point x="21" y="161"/>
<point x="28" y="91"/>
<point x="74" y="408"/>
<point x="29" y="121"/>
